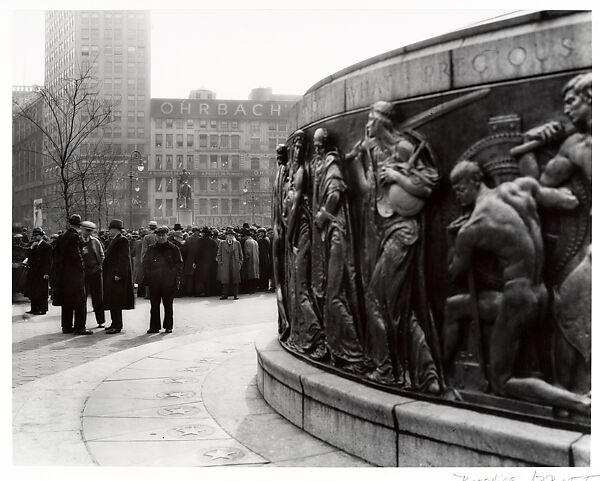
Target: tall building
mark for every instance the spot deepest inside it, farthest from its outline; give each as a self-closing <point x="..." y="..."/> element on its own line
<point x="228" y="148"/>
<point x="116" y="46"/>
<point x="27" y="158"/>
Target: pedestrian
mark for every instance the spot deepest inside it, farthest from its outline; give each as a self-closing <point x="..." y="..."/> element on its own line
<point x="93" y="258"/>
<point x="68" y="280"/>
<point x="138" y="273"/>
<point x="118" y="281"/>
<point x="163" y="266"/>
<point x="148" y="241"/>
<point x="206" y="264"/>
<point x="191" y="264"/>
<point x="25" y="238"/>
<point x="39" y="263"/>
<point x="264" y="259"/>
<point x="251" y="268"/>
<point x="230" y="259"/>
<point x="178" y="241"/>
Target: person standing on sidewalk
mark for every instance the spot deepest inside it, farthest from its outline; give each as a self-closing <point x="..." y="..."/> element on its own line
<point x="264" y="259"/>
<point x="163" y="267"/>
<point x="148" y="241"/>
<point x="251" y="267"/>
<point x="68" y="280"/>
<point x="118" y="282"/>
<point x="93" y="258"/>
<point x="40" y="263"/>
<point x="191" y="263"/>
<point x="230" y="260"/>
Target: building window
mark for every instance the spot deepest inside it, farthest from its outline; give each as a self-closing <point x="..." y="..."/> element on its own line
<point x="169" y="123"/>
<point x="179" y="140"/>
<point x="169" y="141"/>
<point x="224" y="206"/>
<point x="190" y="140"/>
<point x="255" y="127"/>
<point x="214" y="141"/>
<point x="235" y="142"/>
<point x="169" y="208"/>
<point x="203" y="162"/>
<point x="202" y="205"/>
<point x="254" y="164"/>
<point x="189" y="123"/>
<point x="235" y="184"/>
<point x="202" y="124"/>
<point x="214" y="206"/>
<point x="85" y="51"/>
<point x="235" y="206"/>
<point x="141" y="132"/>
<point x="140" y="116"/>
<point x="159" y="162"/>
<point x="170" y="184"/>
<point x="179" y="124"/>
<point x="225" y="162"/>
<point x="272" y="127"/>
<point x="158" y="183"/>
<point x="117" y="132"/>
<point x="202" y="184"/>
<point x="255" y="144"/>
<point x="235" y="162"/>
<point x="158" y="140"/>
<point x="158" y="204"/>
<point x="158" y="123"/>
<point x="131" y="100"/>
<point x="130" y="132"/>
<point x="214" y="162"/>
<point x="203" y="140"/>
<point x="179" y="162"/>
<point x="213" y="124"/>
<point x="212" y="185"/>
<point x="118" y="50"/>
<point x="108" y="34"/>
<point x="130" y="116"/>
<point x="224" y="141"/>
<point x="190" y="162"/>
<point x="224" y="125"/>
<point x="272" y="144"/>
<point x="282" y="127"/>
<point x="169" y="162"/>
<point x="131" y="83"/>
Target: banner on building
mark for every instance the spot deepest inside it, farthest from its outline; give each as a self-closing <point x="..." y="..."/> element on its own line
<point x="37" y="213"/>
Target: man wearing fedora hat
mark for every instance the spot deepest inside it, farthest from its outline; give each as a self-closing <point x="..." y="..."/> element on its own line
<point x="230" y="260"/>
<point x="148" y="241"/>
<point x="68" y="279"/>
<point x="39" y="263"/>
<point x="93" y="258"/>
<point x="117" y="281"/>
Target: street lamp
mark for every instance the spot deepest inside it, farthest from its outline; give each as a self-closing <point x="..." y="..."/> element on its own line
<point x="135" y="156"/>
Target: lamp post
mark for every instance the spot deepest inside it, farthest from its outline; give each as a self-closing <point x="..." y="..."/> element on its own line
<point x="135" y="156"/>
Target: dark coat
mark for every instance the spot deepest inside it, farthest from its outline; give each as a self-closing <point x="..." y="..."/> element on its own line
<point x="207" y="260"/>
<point x="163" y="266"/>
<point x="192" y="255"/>
<point x="230" y="260"/>
<point x="68" y="280"/>
<point x="264" y="258"/>
<point x="40" y="264"/>
<point x="117" y="262"/>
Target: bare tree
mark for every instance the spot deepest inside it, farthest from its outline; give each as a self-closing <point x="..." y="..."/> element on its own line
<point x="73" y="112"/>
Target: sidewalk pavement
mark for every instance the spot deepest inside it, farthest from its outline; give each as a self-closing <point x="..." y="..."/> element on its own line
<point x="181" y="401"/>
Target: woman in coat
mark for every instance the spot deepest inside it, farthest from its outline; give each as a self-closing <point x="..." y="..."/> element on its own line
<point x="230" y="260"/>
<point x="118" y="282"/>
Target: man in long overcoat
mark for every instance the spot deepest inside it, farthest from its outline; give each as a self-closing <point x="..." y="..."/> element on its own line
<point x="264" y="259"/>
<point x="148" y="241"/>
<point x="251" y="268"/>
<point x="68" y="280"/>
<point x="40" y="263"/>
<point x="207" y="263"/>
<point x="230" y="260"/>
<point x="191" y="263"/>
<point x="117" y="280"/>
<point x="162" y="271"/>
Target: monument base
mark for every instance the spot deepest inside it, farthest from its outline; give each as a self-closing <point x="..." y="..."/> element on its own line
<point x="184" y="217"/>
<point x="391" y="430"/>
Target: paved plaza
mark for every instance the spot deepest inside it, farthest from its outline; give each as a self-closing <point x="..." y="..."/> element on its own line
<point x="183" y="399"/>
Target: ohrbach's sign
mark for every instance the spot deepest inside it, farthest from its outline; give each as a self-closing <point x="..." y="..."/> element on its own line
<point x="223" y="109"/>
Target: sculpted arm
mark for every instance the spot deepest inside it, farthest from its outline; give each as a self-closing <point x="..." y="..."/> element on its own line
<point x="463" y="252"/>
<point x="548" y="196"/>
<point x="558" y="170"/>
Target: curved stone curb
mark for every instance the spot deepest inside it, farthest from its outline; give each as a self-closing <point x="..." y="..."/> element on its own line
<point x="390" y="430"/>
<point x="47" y="413"/>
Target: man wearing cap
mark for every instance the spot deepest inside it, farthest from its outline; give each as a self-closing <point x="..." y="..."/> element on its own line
<point x="230" y="260"/>
<point x="148" y="241"/>
<point x="68" y="280"/>
<point x="93" y="257"/>
<point x="162" y="270"/>
<point x="39" y="262"/>
<point x="117" y="279"/>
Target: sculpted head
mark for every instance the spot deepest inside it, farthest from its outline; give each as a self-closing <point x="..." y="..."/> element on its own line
<point x="282" y="157"/>
<point x="577" y="98"/>
<point x="320" y="141"/>
<point x="466" y="178"/>
<point x="380" y="119"/>
<point x="298" y="146"/>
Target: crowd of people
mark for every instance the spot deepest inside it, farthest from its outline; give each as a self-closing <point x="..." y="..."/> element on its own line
<point x="161" y="263"/>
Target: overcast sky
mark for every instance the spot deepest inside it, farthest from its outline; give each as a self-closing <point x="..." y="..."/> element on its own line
<point x="232" y="52"/>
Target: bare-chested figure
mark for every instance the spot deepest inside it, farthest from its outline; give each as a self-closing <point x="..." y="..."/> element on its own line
<point x="505" y="224"/>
